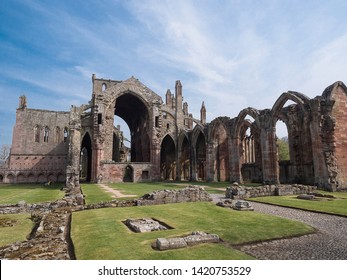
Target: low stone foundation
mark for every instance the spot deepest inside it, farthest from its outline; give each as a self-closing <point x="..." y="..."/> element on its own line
<point x="144" y="225"/>
<point x="241" y="192"/>
<point x="49" y="240"/>
<point x="188" y="194"/>
<point x="196" y="237"/>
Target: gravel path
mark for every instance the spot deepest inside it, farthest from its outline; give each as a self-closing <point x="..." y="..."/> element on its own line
<point x="329" y="243"/>
<point x="114" y="193"/>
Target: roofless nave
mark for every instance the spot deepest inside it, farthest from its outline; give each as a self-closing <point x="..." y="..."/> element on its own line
<point x="168" y="143"/>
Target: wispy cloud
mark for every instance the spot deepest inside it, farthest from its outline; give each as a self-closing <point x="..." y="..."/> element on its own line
<point x="231" y="54"/>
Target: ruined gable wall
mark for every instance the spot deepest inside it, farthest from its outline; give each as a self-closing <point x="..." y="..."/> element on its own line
<point x="35" y="159"/>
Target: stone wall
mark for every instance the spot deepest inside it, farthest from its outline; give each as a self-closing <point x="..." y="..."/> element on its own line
<point x="242" y="192"/>
<point x="188" y="194"/>
<point x="112" y="172"/>
<point x="50" y="239"/>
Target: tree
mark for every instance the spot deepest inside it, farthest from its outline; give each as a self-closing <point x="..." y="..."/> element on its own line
<point x="4" y="151"/>
<point x="283" y="149"/>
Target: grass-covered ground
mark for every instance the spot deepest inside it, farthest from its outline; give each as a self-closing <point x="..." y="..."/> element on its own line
<point x="332" y="206"/>
<point x="30" y="193"/>
<point x="14" y="227"/>
<point x="100" y="234"/>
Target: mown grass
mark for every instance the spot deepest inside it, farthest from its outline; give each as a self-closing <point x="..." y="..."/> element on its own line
<point x="100" y="234"/>
<point x="332" y="206"/>
<point x="14" y="227"/>
<point x="30" y="193"/>
<point x="95" y="194"/>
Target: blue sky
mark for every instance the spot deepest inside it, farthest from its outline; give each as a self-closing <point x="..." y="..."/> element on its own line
<point x="230" y="54"/>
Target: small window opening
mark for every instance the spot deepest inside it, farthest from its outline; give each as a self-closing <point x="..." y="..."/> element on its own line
<point x="65" y="135"/>
<point x="37" y="134"/>
<point x="46" y="134"/>
<point x="104" y="87"/>
<point x="157" y="121"/>
<point x="99" y="118"/>
<point x="145" y="174"/>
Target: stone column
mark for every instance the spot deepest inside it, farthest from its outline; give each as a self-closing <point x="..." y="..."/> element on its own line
<point x="268" y="149"/>
<point x="72" y="189"/>
<point x="193" y="164"/>
<point x="235" y="161"/>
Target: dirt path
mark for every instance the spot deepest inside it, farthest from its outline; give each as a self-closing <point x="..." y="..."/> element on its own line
<point x="114" y="193"/>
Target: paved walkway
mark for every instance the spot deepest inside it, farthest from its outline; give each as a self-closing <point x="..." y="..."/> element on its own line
<point x="329" y="243"/>
<point x="114" y="193"/>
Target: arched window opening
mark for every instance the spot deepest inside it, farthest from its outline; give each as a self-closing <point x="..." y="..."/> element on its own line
<point x="86" y="159"/>
<point x="37" y="134"/>
<point x="66" y="134"/>
<point x="128" y="174"/>
<point x="248" y="147"/>
<point x="46" y="134"/>
<point x="185" y="160"/>
<point x="167" y="158"/>
<point x="250" y="151"/>
<point x="104" y="87"/>
<point x="201" y="157"/>
<point x="131" y="114"/>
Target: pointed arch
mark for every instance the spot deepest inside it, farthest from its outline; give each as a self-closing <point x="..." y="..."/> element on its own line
<point x="219" y="141"/>
<point x="168" y="158"/>
<point x="298" y="98"/>
<point x="254" y="113"/>
<point x="86" y="158"/>
<point x="37" y="133"/>
<point x="199" y="154"/>
<point x="128" y="174"/>
<point x="184" y="156"/>
<point x="246" y="161"/>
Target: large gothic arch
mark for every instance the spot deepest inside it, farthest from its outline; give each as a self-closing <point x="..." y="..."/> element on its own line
<point x="219" y="142"/>
<point x="300" y="168"/>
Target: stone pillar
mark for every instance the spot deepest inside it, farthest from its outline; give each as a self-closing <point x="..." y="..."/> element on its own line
<point x="72" y="189"/>
<point x="268" y="149"/>
<point x="193" y="164"/>
<point x="211" y="174"/>
<point x="235" y="161"/>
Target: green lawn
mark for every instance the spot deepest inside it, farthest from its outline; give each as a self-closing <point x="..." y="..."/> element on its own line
<point x="335" y="206"/>
<point x="14" y="227"/>
<point x="95" y="194"/>
<point x="100" y="234"/>
<point x="30" y="193"/>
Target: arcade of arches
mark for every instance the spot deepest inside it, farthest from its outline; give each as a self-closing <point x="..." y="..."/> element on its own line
<point x="168" y="143"/>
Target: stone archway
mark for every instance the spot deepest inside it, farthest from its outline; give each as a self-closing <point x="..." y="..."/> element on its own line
<point x="135" y="113"/>
<point x="184" y="157"/>
<point x="168" y="158"/>
<point x="219" y="141"/>
<point x="128" y="174"/>
<point x="299" y="168"/>
<point x="86" y="158"/>
<point x="200" y="148"/>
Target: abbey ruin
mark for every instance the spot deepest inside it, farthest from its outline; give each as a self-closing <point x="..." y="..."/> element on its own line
<point x="168" y="143"/>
